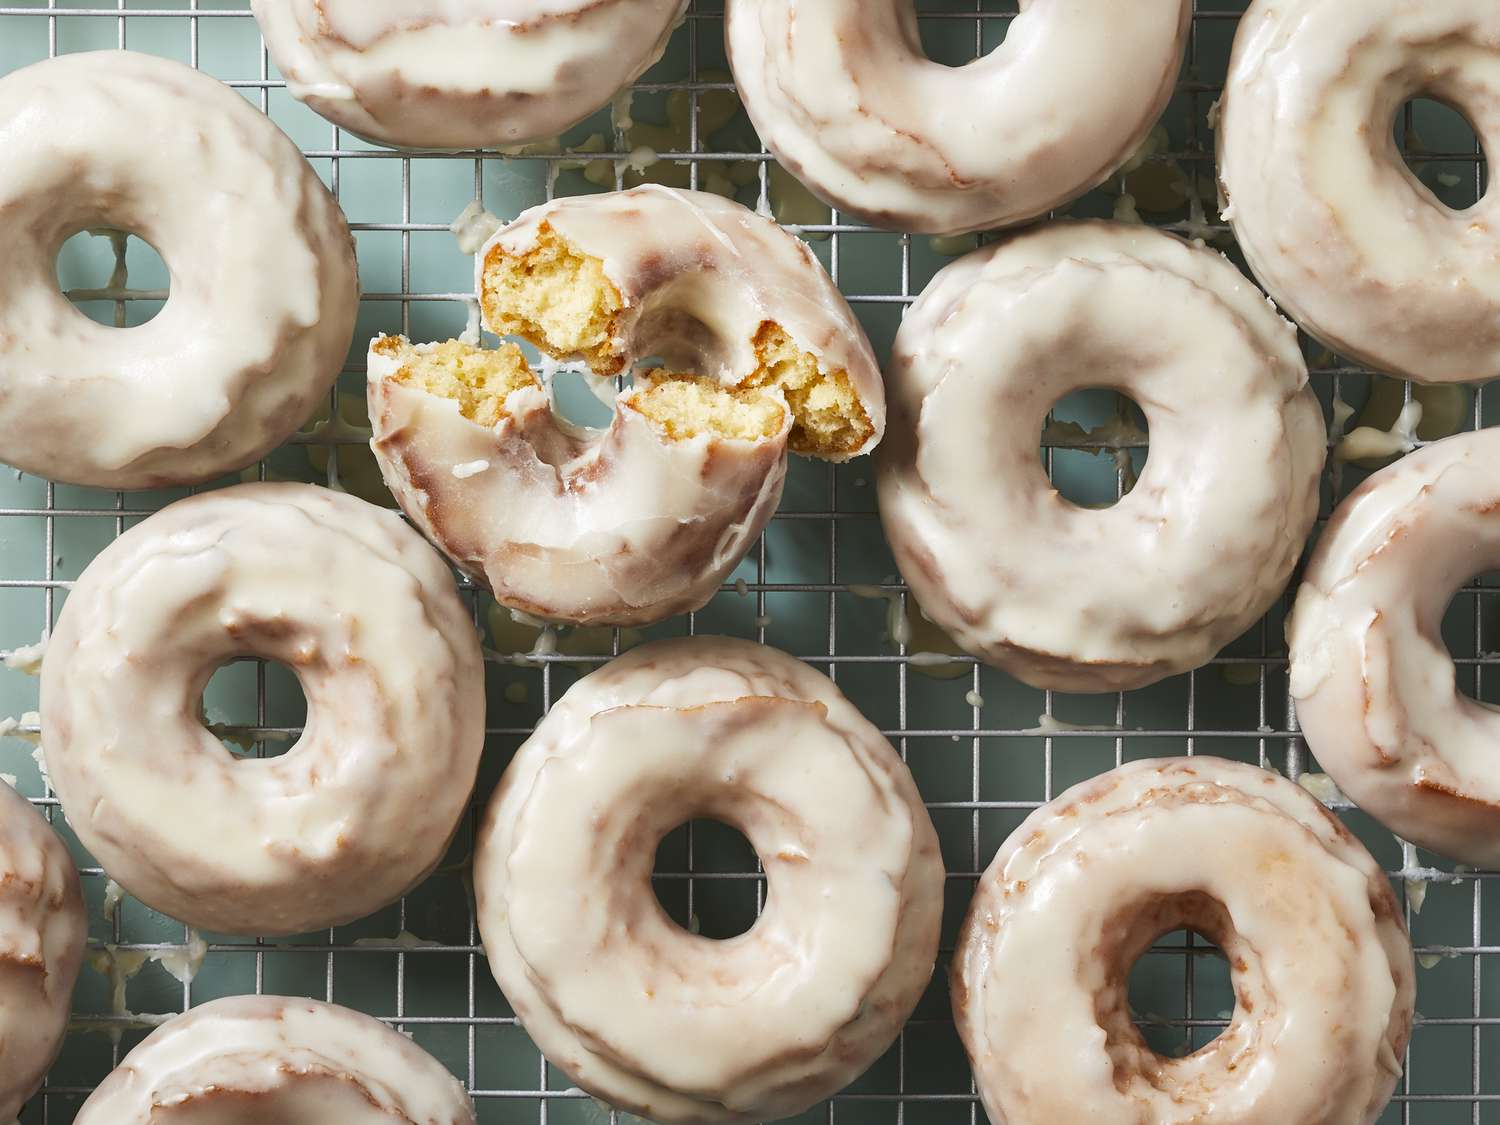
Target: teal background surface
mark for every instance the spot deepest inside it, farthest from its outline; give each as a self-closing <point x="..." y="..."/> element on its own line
<point x="984" y="749"/>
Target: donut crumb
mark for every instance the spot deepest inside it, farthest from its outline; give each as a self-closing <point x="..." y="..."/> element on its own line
<point x="556" y="298"/>
<point x="828" y="420"/>
<point x="684" y="407"/>
<point x="478" y="379"/>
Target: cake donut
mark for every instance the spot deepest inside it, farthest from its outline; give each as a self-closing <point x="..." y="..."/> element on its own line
<point x="1319" y="959"/>
<point x="42" y="931"/>
<point x="264" y="286"/>
<point x="362" y="806"/>
<point x="844" y="96"/>
<point x="273" y="1058"/>
<point x="445" y="75"/>
<point x="636" y="1010"/>
<point x="1373" y="681"/>
<point x="628" y="525"/>
<point x="1057" y="595"/>
<point x="1335" y="225"/>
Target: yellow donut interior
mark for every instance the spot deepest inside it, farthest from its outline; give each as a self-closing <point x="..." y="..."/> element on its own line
<point x="561" y="300"/>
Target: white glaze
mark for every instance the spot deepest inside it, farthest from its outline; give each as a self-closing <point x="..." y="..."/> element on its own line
<point x="1333" y="222"/>
<point x="1064" y="597"/>
<point x="1321" y="964"/>
<point x="455" y="74"/>
<point x="621" y="526"/>
<point x="42" y="930"/>
<point x="252" y="1060"/>
<point x="844" y="96"/>
<point x="362" y="806"/>
<point x="264" y="286"/>
<point x="1374" y="683"/>
<point x="699" y="275"/>
<point x="638" y="1011"/>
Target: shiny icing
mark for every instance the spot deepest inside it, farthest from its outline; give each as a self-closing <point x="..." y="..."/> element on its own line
<point x="1335" y="225"/>
<point x="1375" y="686"/>
<point x="1320" y="961"/>
<point x="276" y="1059"/>
<point x="42" y="930"/>
<point x="638" y="1011"/>
<point x="264" y="286"/>
<point x="362" y="806"/>
<point x="844" y="96"/>
<point x="455" y="74"/>
<point x="1061" y="596"/>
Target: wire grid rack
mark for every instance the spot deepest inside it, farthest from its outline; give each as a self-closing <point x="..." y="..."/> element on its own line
<point x="985" y="750"/>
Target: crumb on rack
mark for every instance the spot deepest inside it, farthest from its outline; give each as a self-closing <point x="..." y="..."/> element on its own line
<point x="561" y="300"/>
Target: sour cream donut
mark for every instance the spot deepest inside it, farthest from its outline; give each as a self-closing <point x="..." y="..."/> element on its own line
<point x="1063" y="597"/>
<point x="1319" y="959"/>
<point x="844" y="96"/>
<point x="362" y="806"/>
<point x="42" y="931"/>
<point x="264" y="284"/>
<point x="440" y="74"/>
<point x="1335" y="225"/>
<point x="275" y="1059"/>
<point x="1374" y="682"/>
<point x="638" y="1011"/>
<point x="631" y="524"/>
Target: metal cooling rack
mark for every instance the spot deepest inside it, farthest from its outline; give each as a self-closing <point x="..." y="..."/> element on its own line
<point x="985" y="750"/>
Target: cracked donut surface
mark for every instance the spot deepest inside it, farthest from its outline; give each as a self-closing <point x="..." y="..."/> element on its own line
<point x="759" y="354"/>
<point x="1375" y="686"/>
<point x="640" y="1012"/>
<point x="264" y="286"/>
<point x="362" y="806"/>
<point x="456" y="74"/>
<point x="1320" y="962"/>
<point x="250" y="1060"/>
<point x="1335" y="225"/>
<point x="42" y="930"/>
<point x="844" y="95"/>
<point x="1062" y="596"/>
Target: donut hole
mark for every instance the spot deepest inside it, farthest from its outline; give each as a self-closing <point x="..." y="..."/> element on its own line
<point x="1094" y="445"/>
<point x="1470" y="627"/>
<point x="115" y="279"/>
<point x="708" y="880"/>
<point x="255" y="707"/>
<point x="583" y="399"/>
<point x="1181" y="993"/>
<point x="1442" y="149"/>
<point x="956" y="42"/>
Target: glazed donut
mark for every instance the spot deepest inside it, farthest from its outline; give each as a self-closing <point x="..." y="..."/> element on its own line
<point x="1320" y="961"/>
<point x="646" y="519"/>
<point x="843" y="95"/>
<point x="42" y="931"/>
<point x="1373" y="681"/>
<point x="643" y="1014"/>
<point x="436" y="74"/>
<point x="1063" y="597"/>
<point x="256" y="1059"/>
<point x="362" y="806"/>
<point x="264" y="283"/>
<point x="1334" y="224"/>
